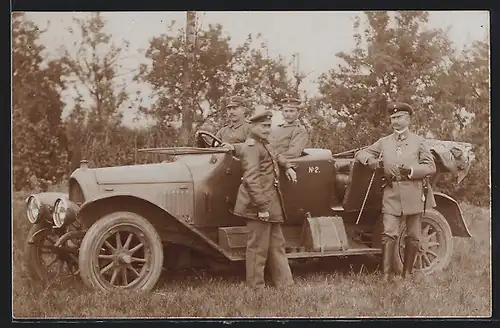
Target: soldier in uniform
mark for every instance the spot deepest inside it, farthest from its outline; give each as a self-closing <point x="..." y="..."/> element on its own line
<point x="407" y="161"/>
<point x="259" y="200"/>
<point x="237" y="130"/>
<point x="290" y="138"/>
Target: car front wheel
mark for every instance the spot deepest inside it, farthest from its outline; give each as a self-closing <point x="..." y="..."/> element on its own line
<point x="121" y="251"/>
<point x="435" y="246"/>
<point x="46" y="262"/>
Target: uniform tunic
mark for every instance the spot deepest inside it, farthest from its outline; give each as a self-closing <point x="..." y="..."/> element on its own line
<point x="234" y="133"/>
<point x="289" y="140"/>
<point x="259" y="190"/>
<point x="405" y="197"/>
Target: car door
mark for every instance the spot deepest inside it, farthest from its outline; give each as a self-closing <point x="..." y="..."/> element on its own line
<point x="312" y="192"/>
<point x="357" y="189"/>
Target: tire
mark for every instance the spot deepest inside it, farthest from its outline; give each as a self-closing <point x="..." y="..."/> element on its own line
<point x="111" y="256"/>
<point x="436" y="246"/>
<point x="39" y="269"/>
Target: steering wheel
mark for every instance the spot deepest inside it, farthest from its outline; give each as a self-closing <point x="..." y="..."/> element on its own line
<point x="206" y="139"/>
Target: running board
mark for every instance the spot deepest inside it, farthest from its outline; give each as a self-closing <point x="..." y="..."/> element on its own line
<point x="347" y="252"/>
<point x="307" y="255"/>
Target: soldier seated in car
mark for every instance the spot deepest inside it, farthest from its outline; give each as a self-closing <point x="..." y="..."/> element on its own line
<point x="290" y="138"/>
<point x="236" y="131"/>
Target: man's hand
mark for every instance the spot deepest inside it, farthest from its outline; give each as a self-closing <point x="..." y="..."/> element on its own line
<point x="264" y="216"/>
<point x="227" y="146"/>
<point x="391" y="170"/>
<point x="291" y="175"/>
<point x="373" y="163"/>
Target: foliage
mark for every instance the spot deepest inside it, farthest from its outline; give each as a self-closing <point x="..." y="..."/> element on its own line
<point x="39" y="142"/>
<point x="471" y="66"/>
<point x="400" y="59"/>
<point x="396" y="57"/>
<point x="92" y="71"/>
<point x="394" y="60"/>
<point x="219" y="72"/>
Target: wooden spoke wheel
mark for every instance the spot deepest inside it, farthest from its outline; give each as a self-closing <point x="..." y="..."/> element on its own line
<point x="47" y="262"/>
<point x="122" y="250"/>
<point x="435" y="246"/>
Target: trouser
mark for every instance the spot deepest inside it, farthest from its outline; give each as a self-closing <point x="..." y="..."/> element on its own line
<point x="392" y="226"/>
<point x="391" y="230"/>
<point x="266" y="243"/>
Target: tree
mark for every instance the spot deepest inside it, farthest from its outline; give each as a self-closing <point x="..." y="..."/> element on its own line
<point x="398" y="58"/>
<point x="38" y="137"/>
<point x="94" y="72"/>
<point x="218" y="72"/>
<point x="187" y="112"/>
<point x="465" y="89"/>
<point x="394" y="60"/>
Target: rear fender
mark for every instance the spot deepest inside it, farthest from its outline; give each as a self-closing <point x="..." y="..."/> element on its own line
<point x="450" y="209"/>
<point x="170" y="228"/>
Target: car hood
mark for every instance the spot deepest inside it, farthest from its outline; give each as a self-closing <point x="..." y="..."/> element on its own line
<point x="145" y="173"/>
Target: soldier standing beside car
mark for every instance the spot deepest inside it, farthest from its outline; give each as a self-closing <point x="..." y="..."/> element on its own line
<point x="290" y="138"/>
<point x="237" y="130"/>
<point x="407" y="161"/>
<point x="259" y="201"/>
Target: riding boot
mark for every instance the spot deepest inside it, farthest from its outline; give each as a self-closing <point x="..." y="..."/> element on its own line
<point x="387" y="257"/>
<point x="410" y="253"/>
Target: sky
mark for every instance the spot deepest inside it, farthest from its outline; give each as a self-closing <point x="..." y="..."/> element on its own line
<point x="286" y="33"/>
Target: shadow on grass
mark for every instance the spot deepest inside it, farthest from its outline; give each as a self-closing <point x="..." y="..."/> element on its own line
<point x="302" y="270"/>
<point x="235" y="274"/>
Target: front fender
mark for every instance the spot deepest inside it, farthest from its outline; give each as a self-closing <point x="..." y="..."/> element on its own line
<point x="176" y="229"/>
<point x="89" y="204"/>
<point x="95" y="205"/>
<point x="450" y="209"/>
<point x="31" y="239"/>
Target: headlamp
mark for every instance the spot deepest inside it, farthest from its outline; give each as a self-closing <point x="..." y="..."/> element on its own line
<point x="64" y="212"/>
<point x="33" y="209"/>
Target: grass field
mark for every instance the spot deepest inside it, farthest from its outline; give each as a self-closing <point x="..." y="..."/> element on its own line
<point x="321" y="290"/>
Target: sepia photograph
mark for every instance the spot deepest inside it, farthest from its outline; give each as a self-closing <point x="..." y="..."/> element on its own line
<point x="251" y="164"/>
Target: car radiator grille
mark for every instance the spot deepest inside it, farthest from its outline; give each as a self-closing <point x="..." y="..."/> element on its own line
<point x="179" y="201"/>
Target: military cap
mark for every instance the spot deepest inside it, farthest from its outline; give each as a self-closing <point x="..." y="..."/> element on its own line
<point x="291" y="102"/>
<point x="236" y="101"/>
<point x="400" y="107"/>
<point x="260" y="116"/>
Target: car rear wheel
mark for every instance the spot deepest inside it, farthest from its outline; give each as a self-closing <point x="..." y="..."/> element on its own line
<point x="121" y="251"/>
<point x="47" y="263"/>
<point x="435" y="247"/>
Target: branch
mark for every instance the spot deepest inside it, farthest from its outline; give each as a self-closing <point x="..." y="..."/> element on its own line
<point x="212" y="114"/>
<point x="127" y="72"/>
<point x="200" y="85"/>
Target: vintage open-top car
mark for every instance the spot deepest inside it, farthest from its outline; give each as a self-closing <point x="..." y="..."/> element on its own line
<point x="118" y="227"/>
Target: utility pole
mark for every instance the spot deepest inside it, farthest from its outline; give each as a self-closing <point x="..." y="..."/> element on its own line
<point x="187" y="108"/>
<point x="296" y="72"/>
